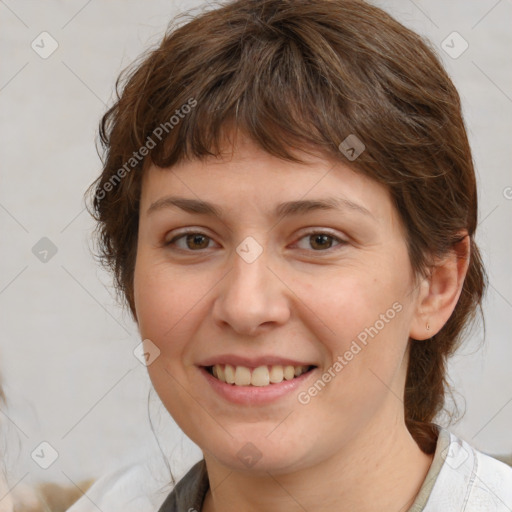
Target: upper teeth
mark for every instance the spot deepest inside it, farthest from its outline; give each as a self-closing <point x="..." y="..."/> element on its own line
<point x="260" y="376"/>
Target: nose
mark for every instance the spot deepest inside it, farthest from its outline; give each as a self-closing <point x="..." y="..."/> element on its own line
<point x="252" y="297"/>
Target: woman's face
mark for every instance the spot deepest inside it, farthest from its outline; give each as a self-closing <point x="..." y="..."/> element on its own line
<point x="330" y="288"/>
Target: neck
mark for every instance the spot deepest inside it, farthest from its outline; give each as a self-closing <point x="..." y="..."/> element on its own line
<point x="379" y="470"/>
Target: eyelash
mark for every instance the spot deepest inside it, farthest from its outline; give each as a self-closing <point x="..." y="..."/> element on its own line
<point x="341" y="242"/>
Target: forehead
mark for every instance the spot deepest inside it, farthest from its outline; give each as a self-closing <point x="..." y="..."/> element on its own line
<point x="246" y="176"/>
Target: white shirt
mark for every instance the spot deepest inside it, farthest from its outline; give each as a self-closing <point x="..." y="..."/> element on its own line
<point x="460" y="479"/>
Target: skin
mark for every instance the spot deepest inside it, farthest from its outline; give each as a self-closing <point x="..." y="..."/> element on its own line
<point x="298" y="299"/>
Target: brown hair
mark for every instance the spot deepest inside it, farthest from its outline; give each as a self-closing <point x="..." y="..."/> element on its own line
<point x="304" y="74"/>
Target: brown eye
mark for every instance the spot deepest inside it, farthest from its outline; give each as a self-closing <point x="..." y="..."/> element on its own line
<point x="193" y="241"/>
<point x="320" y="241"/>
<point x="197" y="241"/>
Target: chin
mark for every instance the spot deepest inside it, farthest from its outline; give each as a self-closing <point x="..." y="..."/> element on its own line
<point x="257" y="454"/>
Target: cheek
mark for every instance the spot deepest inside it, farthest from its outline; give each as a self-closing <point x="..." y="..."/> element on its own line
<point x="366" y="315"/>
<point x="158" y="305"/>
<point x="348" y="302"/>
<point x="168" y="301"/>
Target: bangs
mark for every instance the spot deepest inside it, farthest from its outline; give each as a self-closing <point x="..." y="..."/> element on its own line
<point x="287" y="81"/>
<point x="272" y="96"/>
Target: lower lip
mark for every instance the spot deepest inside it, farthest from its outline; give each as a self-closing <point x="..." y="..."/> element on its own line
<point x="255" y="395"/>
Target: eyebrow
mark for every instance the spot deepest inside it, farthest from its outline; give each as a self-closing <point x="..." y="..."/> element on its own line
<point x="286" y="209"/>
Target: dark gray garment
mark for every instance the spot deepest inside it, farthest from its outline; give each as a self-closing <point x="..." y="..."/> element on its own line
<point x="189" y="493"/>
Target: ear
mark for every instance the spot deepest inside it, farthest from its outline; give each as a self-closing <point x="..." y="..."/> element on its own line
<point x="440" y="291"/>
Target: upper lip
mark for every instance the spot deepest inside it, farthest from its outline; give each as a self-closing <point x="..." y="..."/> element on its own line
<point x="252" y="362"/>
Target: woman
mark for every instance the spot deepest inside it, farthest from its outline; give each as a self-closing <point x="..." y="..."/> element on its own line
<point x="288" y="204"/>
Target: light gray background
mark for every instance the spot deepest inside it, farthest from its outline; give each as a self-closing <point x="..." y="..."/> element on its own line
<point x="66" y="346"/>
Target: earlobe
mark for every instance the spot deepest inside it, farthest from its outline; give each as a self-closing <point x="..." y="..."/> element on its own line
<point x="440" y="291"/>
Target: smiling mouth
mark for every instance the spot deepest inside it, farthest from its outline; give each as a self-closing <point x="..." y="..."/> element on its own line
<point x="260" y="376"/>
